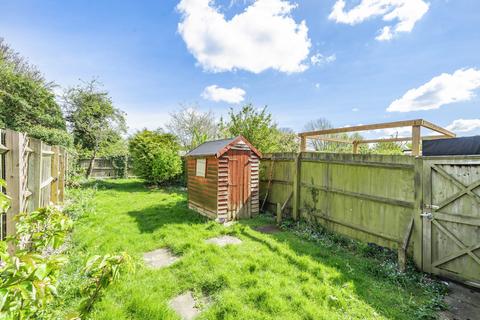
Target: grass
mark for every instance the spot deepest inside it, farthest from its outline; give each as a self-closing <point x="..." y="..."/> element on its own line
<point x="279" y="276"/>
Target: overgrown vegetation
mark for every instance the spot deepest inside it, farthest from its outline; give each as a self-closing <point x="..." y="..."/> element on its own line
<point x="29" y="269"/>
<point x="287" y="275"/>
<point x="27" y="101"/>
<point x="155" y="156"/>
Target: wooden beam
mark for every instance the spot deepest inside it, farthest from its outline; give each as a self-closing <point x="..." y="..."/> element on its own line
<point x="403" y="246"/>
<point x="303" y="144"/>
<point x="355" y="147"/>
<point x="436" y="128"/>
<point x="416" y="139"/>
<point x="386" y="125"/>
<point x="329" y="139"/>
<point x="400" y="139"/>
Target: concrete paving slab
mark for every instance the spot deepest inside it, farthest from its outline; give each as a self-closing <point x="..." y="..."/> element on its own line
<point x="222" y="241"/>
<point x="160" y="258"/>
<point x="185" y="306"/>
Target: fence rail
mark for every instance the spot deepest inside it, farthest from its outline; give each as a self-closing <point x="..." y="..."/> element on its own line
<point x="34" y="173"/>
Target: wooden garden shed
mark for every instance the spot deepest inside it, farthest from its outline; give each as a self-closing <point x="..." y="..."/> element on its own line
<point x="223" y="179"/>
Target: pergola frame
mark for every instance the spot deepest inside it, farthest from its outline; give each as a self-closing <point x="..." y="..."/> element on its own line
<point x="415" y="138"/>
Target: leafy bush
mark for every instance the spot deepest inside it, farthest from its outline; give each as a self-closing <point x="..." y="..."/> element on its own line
<point x="28" y="277"/>
<point x="155" y="156"/>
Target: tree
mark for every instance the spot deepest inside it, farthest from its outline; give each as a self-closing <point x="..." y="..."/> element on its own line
<point x="155" y="156"/>
<point x="192" y="127"/>
<point x="27" y="102"/>
<point x="288" y="140"/>
<point x="255" y="125"/>
<point x="94" y="121"/>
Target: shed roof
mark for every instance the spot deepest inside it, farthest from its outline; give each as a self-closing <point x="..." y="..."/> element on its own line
<point x="219" y="147"/>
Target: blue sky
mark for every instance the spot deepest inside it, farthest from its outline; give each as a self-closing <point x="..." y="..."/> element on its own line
<point x="150" y="64"/>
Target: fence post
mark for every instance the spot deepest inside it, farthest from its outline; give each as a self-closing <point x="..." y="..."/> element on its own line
<point x="296" y="186"/>
<point x="37" y="148"/>
<point x="54" y="185"/>
<point x="14" y="162"/>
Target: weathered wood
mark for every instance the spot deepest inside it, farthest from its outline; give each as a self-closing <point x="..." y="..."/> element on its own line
<point x="402" y="250"/>
<point x="416" y="139"/>
<point x="37" y="146"/>
<point x="303" y="143"/>
<point x="451" y="218"/>
<point x="13" y="177"/>
<point x="55" y="174"/>
<point x="296" y="187"/>
<point x="270" y="178"/>
<point x="279" y="213"/>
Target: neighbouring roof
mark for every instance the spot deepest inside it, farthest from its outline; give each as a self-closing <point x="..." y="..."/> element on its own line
<point x="219" y="147"/>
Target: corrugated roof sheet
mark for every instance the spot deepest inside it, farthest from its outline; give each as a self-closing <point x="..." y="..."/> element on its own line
<point x="210" y="147"/>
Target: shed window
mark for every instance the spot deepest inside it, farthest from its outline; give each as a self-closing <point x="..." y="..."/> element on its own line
<point x="201" y="167"/>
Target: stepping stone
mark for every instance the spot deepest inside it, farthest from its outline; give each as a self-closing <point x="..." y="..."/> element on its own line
<point x="222" y="241"/>
<point x="268" y="229"/>
<point x="159" y="258"/>
<point x="185" y="306"/>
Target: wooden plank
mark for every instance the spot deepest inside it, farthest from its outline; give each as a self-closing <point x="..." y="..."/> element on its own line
<point x="394" y="202"/>
<point x="355" y="227"/>
<point x="279" y="213"/>
<point x="303" y="143"/>
<point x="61" y="176"/>
<point x="330" y="139"/>
<point x="400" y="139"/>
<point x="416" y="139"/>
<point x="54" y="184"/>
<point x="13" y="178"/>
<point x="402" y="250"/>
<point x="365" y="164"/>
<point x="37" y="147"/>
<point x="436" y="128"/>
<point x="296" y="187"/>
<point x="386" y="125"/>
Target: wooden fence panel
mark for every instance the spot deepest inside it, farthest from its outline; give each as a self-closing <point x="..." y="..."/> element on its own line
<point x="371" y="198"/>
<point x="27" y="166"/>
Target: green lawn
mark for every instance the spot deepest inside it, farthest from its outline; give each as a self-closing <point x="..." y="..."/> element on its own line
<point x="278" y="276"/>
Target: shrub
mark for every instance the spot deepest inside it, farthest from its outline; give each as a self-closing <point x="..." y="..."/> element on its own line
<point x="28" y="277"/>
<point x="155" y="156"/>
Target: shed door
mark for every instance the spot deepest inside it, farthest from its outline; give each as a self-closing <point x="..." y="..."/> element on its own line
<point x="451" y="219"/>
<point x="238" y="184"/>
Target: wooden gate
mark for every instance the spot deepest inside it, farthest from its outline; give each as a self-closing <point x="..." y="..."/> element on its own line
<point x="451" y="218"/>
<point x="239" y="184"/>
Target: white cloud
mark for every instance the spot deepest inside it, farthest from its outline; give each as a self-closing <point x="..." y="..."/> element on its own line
<point x="406" y="13"/>
<point x="321" y="60"/>
<point x="464" y="125"/>
<point x="263" y="36"/>
<point x="217" y="94"/>
<point x="355" y="109"/>
<point x="443" y="89"/>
